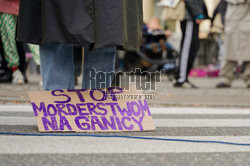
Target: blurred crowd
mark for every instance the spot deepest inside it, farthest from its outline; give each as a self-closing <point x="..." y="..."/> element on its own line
<point x="14" y="55"/>
<point x="231" y="56"/>
<point x="225" y="50"/>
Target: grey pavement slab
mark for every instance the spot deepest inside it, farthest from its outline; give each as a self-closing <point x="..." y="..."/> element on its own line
<point x="146" y="159"/>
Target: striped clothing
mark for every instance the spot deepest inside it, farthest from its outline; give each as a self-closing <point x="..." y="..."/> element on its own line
<point x="189" y="48"/>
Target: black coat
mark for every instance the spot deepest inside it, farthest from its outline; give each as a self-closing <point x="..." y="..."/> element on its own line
<point x="104" y="23"/>
<point x="195" y="8"/>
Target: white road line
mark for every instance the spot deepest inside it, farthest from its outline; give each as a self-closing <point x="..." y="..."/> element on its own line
<point x="16" y="108"/>
<point x="202" y="122"/>
<point x="13" y="121"/>
<point x="84" y="145"/>
<point x="200" y="111"/>
<point x="28" y="121"/>
<point x="154" y="110"/>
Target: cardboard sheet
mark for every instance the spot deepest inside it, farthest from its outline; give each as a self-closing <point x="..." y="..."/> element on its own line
<point x="97" y="110"/>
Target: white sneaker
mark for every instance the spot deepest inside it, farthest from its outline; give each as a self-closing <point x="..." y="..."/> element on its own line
<point x="18" y="78"/>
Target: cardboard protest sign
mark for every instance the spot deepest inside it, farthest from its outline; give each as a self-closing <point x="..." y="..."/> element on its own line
<point x="96" y="110"/>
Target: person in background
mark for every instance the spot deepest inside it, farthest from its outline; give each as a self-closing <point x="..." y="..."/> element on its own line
<point x="196" y="11"/>
<point x="217" y="27"/>
<point x="220" y="9"/>
<point x="14" y="52"/>
<point x="155" y="39"/>
<point x="8" y="21"/>
<point x="237" y="42"/>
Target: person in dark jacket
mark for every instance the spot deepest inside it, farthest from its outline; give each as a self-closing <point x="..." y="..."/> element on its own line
<point x="196" y="11"/>
<point x="101" y="26"/>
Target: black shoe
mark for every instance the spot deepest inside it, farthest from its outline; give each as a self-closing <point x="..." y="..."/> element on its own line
<point x="223" y="85"/>
<point x="178" y="85"/>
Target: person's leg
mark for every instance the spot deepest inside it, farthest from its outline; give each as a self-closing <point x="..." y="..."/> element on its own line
<point x="187" y="29"/>
<point x="227" y="74"/>
<point x="77" y="53"/>
<point x="246" y="74"/>
<point x="121" y="55"/>
<point x="193" y="49"/>
<point x="183" y="29"/>
<point x="101" y="60"/>
<point x="8" y="33"/>
<point x="34" y="49"/>
<point x="22" y="64"/>
<point x="57" y="66"/>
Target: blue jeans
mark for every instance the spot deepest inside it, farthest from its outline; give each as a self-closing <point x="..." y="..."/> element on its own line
<point x="57" y="66"/>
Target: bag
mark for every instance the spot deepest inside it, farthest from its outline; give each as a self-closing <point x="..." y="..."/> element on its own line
<point x="173" y="10"/>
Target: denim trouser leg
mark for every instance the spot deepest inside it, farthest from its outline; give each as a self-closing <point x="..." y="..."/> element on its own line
<point x="57" y="66"/>
<point x="102" y="61"/>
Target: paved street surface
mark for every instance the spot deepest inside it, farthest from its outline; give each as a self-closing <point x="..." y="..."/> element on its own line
<point x="217" y="124"/>
<point x="206" y="96"/>
<point x="198" y="114"/>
